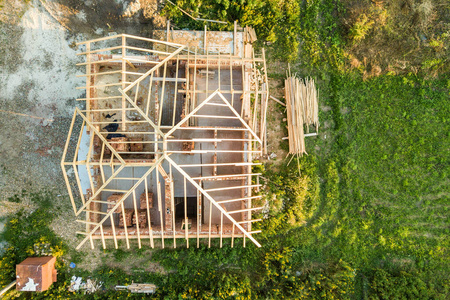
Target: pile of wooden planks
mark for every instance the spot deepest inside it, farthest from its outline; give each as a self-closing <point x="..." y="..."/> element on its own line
<point x="302" y="109"/>
<point x="249" y="35"/>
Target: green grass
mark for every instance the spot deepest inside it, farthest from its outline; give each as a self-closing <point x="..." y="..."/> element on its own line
<point x="384" y="191"/>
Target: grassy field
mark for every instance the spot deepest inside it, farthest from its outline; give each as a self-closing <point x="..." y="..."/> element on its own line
<point x="384" y="180"/>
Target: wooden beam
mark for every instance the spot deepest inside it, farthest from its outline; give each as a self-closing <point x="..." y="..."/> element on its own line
<point x="186" y="222"/>
<point x="114" y="230"/>
<point x="230" y="176"/>
<point x="162" y="95"/>
<point x="136" y="215"/>
<point x="142" y="113"/>
<point x="160" y="207"/>
<point x="63" y="160"/>
<point x="235" y="38"/>
<point x="218" y="206"/>
<point x="175" y="94"/>
<point x="124" y="79"/>
<point x="239" y="199"/>
<point x="221" y="164"/>
<point x="150" y="230"/>
<point x="125" y="226"/>
<point x="120" y="202"/>
<point x="232" y="188"/>
<point x="137" y="81"/>
<point x="276" y="100"/>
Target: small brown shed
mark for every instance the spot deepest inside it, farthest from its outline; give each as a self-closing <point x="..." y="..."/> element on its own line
<point x="36" y="274"/>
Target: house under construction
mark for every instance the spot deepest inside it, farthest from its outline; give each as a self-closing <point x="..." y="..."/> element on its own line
<point x="165" y="146"/>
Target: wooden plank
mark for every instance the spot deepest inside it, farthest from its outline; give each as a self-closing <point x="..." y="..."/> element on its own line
<point x="172" y="205"/>
<point x="121" y="201"/>
<point x="209" y="224"/>
<point x="205" y="194"/>
<point x="231" y="176"/>
<point x="232" y="188"/>
<point x="164" y="61"/>
<point x="235" y="38"/>
<point x="124" y="79"/>
<point x="63" y="166"/>
<point x="175" y="94"/>
<point x="160" y="208"/>
<point x="221" y="230"/>
<point x="150" y="229"/>
<point x="162" y="95"/>
<point x="103" y="237"/>
<point x="125" y="221"/>
<point x="186" y="223"/>
<point x="99" y="39"/>
<point x="239" y="199"/>
<point x="136" y="214"/>
<point x="198" y="218"/>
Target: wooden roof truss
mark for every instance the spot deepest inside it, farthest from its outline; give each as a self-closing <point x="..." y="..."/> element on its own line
<point x="132" y="70"/>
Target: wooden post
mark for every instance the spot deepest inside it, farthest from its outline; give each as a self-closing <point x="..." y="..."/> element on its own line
<point x="136" y="215"/>
<point x="124" y="78"/>
<point x="175" y="94"/>
<point x="113" y="230"/>
<point x="186" y="224"/>
<point x="204" y="42"/>
<point x="235" y="39"/>
<point x="125" y="224"/>
<point x="160" y="208"/>
<point x="150" y="229"/>
<point x="167" y="35"/>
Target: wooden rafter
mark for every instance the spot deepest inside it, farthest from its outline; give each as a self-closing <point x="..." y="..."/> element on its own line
<point x="160" y="136"/>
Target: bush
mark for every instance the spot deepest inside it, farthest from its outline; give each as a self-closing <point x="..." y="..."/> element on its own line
<point x="385" y="285"/>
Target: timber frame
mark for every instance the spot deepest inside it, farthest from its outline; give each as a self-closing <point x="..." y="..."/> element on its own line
<point x="172" y="135"/>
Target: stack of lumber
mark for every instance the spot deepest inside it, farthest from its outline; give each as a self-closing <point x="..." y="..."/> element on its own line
<point x="145" y="288"/>
<point x="249" y="35"/>
<point x="302" y="109"/>
<point x="310" y="106"/>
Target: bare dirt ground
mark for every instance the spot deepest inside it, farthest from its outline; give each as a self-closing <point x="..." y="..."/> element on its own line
<point x="38" y="88"/>
<point x="276" y="113"/>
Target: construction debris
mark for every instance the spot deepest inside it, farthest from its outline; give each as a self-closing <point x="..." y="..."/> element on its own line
<point x="249" y="35"/>
<point x="277" y="100"/>
<point x="143" y="288"/>
<point x="302" y="111"/>
<point x="25" y="115"/>
<point x="88" y="287"/>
